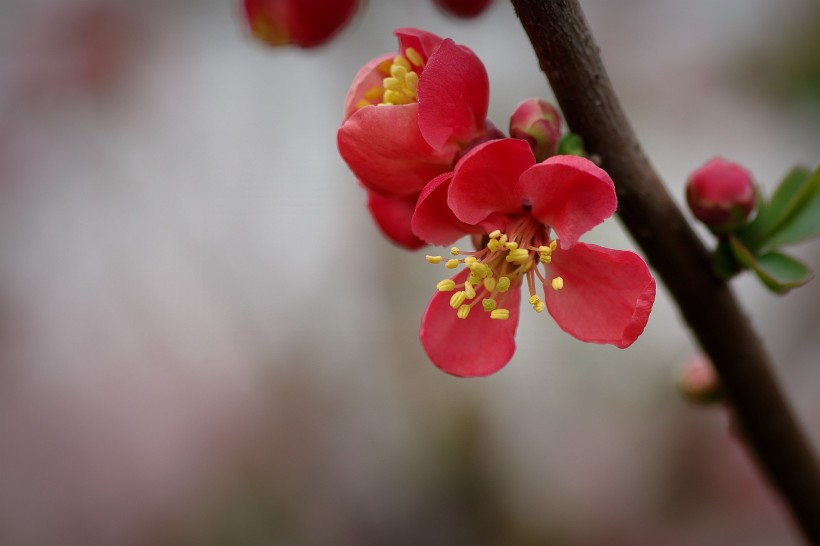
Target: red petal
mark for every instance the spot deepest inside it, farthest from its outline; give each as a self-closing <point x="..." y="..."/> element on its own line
<point x="453" y="95"/>
<point x="570" y="194"/>
<point x="384" y="149"/>
<point x="422" y="41"/>
<point x="368" y="77"/>
<point x="607" y="294"/>
<point x="393" y="215"/>
<point x="433" y="220"/>
<point x="471" y="347"/>
<point x="485" y="179"/>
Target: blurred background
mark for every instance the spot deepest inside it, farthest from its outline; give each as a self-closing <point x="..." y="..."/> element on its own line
<point x="204" y="339"/>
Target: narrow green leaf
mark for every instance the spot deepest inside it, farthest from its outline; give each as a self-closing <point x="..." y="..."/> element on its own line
<point x="771" y="215"/>
<point x="804" y="224"/>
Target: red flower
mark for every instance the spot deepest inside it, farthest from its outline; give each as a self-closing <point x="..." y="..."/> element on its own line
<point x="408" y="116"/>
<point x="305" y="23"/>
<point x="531" y="216"/>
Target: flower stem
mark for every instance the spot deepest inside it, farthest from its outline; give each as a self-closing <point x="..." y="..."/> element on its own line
<point x="570" y="59"/>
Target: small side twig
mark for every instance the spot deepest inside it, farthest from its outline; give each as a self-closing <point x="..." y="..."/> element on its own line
<point x="570" y="59"/>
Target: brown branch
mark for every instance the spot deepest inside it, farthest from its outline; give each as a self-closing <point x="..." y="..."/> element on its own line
<point x="570" y="59"/>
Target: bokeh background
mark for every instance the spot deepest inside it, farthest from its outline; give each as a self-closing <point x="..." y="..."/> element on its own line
<point x="204" y="339"/>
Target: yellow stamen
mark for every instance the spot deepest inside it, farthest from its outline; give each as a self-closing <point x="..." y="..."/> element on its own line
<point x="488" y="304"/>
<point x="374" y="93"/>
<point x="489" y="283"/>
<point x="414" y="57"/>
<point x="457" y="299"/>
<point x="495" y="234"/>
<point x="512" y="245"/>
<point x="411" y="81"/>
<point x="463" y="311"/>
<point x="557" y="283"/>
<point x="452" y="264"/>
<point x="400" y="62"/>
<point x="447" y="285"/>
<point x="539" y="307"/>
<point x="470" y="260"/>
<point x="481" y="270"/>
<point x="493" y="245"/>
<point x="455" y="251"/>
<point x="433" y="259"/>
<point x="500" y="314"/>
<point x="534" y="299"/>
<point x="469" y="290"/>
<point x="519" y="256"/>
<point x="503" y="284"/>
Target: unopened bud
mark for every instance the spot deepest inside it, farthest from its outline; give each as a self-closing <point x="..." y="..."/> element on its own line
<point x="537" y="122"/>
<point x="463" y="8"/>
<point x="722" y="195"/>
<point x="699" y="382"/>
<point x="296" y="22"/>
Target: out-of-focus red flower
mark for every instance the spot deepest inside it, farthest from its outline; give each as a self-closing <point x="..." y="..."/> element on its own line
<point x="531" y="215"/>
<point x="305" y="23"/>
<point x="408" y="117"/>
<point x="539" y="123"/>
<point x="463" y="8"/>
<point x="721" y="194"/>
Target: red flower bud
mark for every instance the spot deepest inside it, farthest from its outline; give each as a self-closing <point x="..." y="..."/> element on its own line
<point x="722" y="195"/>
<point x="537" y="122"/>
<point x="305" y="23"/>
<point x="699" y="382"/>
<point x="463" y="8"/>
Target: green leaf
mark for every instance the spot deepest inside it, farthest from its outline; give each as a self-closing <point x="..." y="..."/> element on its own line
<point x="804" y="224"/>
<point x="779" y="272"/>
<point x="788" y="197"/>
<point x="571" y="144"/>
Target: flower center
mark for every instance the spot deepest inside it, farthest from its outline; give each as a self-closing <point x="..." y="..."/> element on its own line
<point x="506" y="260"/>
<point x="401" y="84"/>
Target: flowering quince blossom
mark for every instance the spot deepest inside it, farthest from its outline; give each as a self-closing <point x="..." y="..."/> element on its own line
<point x="408" y="117"/>
<point x="498" y="193"/>
<point x="305" y="23"/>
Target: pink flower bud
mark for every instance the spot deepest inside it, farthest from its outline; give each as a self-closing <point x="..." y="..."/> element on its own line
<point x="699" y="382"/>
<point x="463" y="8"/>
<point x="537" y="122"/>
<point x="305" y="23"/>
<point x="722" y="195"/>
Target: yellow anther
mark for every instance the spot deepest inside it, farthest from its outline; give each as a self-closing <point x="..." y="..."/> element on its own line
<point x="519" y="255"/>
<point x="414" y="57"/>
<point x="399" y="61"/>
<point x="393" y="84"/>
<point x="500" y="314"/>
<point x="481" y="270"/>
<point x="412" y="82"/>
<point x="447" y="285"/>
<point x="457" y="299"/>
<point x="452" y="264"/>
<point x="503" y="239"/>
<point x="539" y="307"/>
<point x="433" y="259"/>
<point x="384" y="67"/>
<point x="469" y="290"/>
<point x="492" y="245"/>
<point x="470" y="260"/>
<point x="455" y="251"/>
<point x="489" y="283"/>
<point x="534" y="299"/>
<point x="398" y="72"/>
<point x="557" y="283"/>
<point x="495" y="234"/>
<point x="474" y="279"/>
<point x="362" y="103"/>
<point x="488" y="304"/>
<point x="374" y="93"/>
<point x="512" y="245"/>
<point x="463" y="311"/>
<point x="395" y="97"/>
<point x="553" y="245"/>
<point x="503" y="284"/>
<point x="545" y="258"/>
